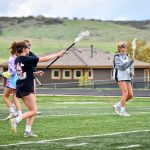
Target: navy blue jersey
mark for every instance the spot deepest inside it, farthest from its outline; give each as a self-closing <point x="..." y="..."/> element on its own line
<point x="25" y="68"/>
<point x="33" y="55"/>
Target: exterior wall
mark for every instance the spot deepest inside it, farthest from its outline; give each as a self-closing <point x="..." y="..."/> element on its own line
<point x="139" y="73"/>
<point x="102" y="74"/>
<point x="98" y="74"/>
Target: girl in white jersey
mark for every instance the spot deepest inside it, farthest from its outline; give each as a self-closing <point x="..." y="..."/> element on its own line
<point x="123" y="76"/>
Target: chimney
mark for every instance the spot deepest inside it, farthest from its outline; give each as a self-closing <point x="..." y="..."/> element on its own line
<point x="92" y="51"/>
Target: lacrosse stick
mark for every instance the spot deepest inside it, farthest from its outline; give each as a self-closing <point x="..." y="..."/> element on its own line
<point x="38" y="81"/>
<point x="133" y="55"/>
<point x="77" y="39"/>
<point x="133" y="48"/>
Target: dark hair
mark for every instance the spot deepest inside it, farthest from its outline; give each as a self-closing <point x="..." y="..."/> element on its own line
<point x="20" y="46"/>
<point x="27" y="41"/>
<point x="13" y="48"/>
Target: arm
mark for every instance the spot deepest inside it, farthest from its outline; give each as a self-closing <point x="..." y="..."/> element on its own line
<point x="11" y="67"/>
<point x="120" y="65"/>
<point x="49" y="57"/>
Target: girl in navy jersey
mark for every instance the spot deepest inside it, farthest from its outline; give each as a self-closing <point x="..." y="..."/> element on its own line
<point x="25" y="84"/>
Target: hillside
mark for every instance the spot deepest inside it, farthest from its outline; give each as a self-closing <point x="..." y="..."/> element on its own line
<point x="51" y="34"/>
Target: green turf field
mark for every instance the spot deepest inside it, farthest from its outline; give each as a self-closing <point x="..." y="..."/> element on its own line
<point x="81" y="123"/>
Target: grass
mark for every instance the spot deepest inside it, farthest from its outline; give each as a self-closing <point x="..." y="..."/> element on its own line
<point x="90" y="121"/>
<point x="46" y="38"/>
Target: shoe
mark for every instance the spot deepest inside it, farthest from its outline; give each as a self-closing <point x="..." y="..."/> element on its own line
<point x="29" y="134"/>
<point x="124" y="113"/>
<point x="117" y="109"/>
<point x="13" y="124"/>
<point x="11" y="115"/>
<point x="38" y="113"/>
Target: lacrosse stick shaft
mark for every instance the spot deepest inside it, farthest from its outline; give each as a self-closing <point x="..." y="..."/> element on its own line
<point x="57" y="58"/>
<point x="77" y="39"/>
<point x="38" y="81"/>
<point x="133" y="48"/>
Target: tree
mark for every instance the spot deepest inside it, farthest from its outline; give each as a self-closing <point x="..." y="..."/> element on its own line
<point x="142" y="52"/>
<point x="84" y="80"/>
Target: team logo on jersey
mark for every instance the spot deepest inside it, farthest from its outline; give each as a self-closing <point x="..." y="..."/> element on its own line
<point x="20" y="73"/>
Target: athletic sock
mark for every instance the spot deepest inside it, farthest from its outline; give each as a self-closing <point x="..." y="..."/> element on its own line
<point x="19" y="112"/>
<point x="11" y="110"/>
<point x="14" y="106"/>
<point x="118" y="104"/>
<point x="18" y="119"/>
<point x="122" y="109"/>
<point x="28" y="129"/>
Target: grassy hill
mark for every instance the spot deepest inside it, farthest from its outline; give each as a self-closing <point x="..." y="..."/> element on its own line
<point x="51" y="34"/>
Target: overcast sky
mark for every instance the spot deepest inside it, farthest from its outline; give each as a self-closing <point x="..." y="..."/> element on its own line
<point x="88" y="9"/>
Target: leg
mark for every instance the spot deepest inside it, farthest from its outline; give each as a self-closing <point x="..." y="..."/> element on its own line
<point x="12" y="111"/>
<point x="34" y="87"/>
<point x="6" y="95"/>
<point x="38" y="112"/>
<point x="17" y="103"/>
<point x="29" y="121"/>
<point x="130" y="90"/>
<point x="30" y="102"/>
<point x="124" y="92"/>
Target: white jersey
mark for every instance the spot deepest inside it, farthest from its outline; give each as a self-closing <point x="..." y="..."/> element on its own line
<point x="122" y="67"/>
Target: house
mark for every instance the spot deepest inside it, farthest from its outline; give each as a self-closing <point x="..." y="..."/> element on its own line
<point x="97" y="64"/>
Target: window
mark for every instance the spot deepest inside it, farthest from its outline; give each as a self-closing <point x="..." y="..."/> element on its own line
<point x="146" y="77"/>
<point x="112" y="74"/>
<point x="90" y="74"/>
<point x="78" y="74"/>
<point x="67" y="74"/>
<point x="56" y="74"/>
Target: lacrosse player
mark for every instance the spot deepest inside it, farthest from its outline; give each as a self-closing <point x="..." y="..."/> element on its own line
<point x="25" y="84"/>
<point x="123" y="76"/>
<point x="10" y="87"/>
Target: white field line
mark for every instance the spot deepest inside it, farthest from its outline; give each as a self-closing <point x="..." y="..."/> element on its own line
<point x="129" y="146"/>
<point x="93" y="114"/>
<point x="73" y="145"/>
<point x="84" y="103"/>
<point x="70" y="138"/>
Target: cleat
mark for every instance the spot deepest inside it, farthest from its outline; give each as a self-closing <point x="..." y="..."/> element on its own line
<point x="117" y="109"/>
<point x="29" y="134"/>
<point x="124" y="113"/>
<point x="13" y="124"/>
<point x="11" y="115"/>
<point x="38" y="113"/>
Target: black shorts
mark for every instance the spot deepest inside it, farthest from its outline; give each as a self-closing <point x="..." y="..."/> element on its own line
<point x="124" y="81"/>
<point x="20" y="94"/>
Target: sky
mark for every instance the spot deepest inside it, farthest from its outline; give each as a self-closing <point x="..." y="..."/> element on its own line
<point x="87" y="9"/>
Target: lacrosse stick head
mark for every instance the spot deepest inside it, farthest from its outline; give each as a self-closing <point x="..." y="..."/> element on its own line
<point x="134" y="47"/>
<point x="5" y="74"/>
<point x="80" y="36"/>
<point x="134" y="44"/>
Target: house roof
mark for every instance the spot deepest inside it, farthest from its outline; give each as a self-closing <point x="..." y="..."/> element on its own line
<point x="85" y="58"/>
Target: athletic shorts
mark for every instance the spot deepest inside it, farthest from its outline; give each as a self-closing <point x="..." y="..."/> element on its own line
<point x="124" y="81"/>
<point x="20" y="94"/>
<point x="11" y="82"/>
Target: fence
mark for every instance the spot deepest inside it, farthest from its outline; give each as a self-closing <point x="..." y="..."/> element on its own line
<point x="141" y="87"/>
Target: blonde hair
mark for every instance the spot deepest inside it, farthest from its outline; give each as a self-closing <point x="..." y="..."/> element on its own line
<point x="121" y="44"/>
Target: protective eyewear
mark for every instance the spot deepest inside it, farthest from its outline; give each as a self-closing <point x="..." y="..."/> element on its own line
<point x="28" y="46"/>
